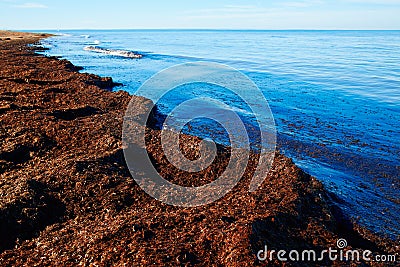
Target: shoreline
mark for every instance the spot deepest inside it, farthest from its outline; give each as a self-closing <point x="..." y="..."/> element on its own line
<point x="66" y="184"/>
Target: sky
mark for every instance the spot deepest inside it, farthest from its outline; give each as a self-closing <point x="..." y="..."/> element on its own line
<point x="200" y="14"/>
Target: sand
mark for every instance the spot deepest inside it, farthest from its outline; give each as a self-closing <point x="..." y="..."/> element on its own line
<point x="12" y="36"/>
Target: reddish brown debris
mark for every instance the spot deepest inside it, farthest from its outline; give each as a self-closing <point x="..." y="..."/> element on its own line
<point x="67" y="199"/>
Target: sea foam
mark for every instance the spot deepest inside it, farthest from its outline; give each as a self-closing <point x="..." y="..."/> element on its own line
<point x="113" y="52"/>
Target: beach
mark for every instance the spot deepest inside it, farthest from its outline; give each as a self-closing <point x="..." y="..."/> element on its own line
<point x="67" y="197"/>
<point x="335" y="111"/>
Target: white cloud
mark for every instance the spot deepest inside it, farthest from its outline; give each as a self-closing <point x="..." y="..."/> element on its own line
<point x="30" y="5"/>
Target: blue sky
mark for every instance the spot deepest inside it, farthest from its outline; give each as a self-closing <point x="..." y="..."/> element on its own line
<point x="204" y="14"/>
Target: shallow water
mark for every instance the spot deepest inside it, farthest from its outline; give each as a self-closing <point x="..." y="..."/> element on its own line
<point x="335" y="96"/>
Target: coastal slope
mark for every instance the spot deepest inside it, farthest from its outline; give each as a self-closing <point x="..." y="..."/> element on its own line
<point x="67" y="198"/>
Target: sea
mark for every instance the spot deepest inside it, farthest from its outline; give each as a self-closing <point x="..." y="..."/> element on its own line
<point x="334" y="95"/>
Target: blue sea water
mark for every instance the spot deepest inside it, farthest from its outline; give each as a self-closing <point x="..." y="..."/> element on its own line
<point x="335" y="97"/>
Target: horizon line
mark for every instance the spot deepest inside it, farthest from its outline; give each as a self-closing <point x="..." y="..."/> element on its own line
<point x="197" y="29"/>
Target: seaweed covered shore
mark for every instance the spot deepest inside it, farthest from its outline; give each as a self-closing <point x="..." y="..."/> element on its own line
<point x="67" y="198"/>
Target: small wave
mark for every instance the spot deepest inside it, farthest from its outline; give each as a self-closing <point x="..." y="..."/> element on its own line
<point x="96" y="42"/>
<point x="113" y="52"/>
<point x="63" y="34"/>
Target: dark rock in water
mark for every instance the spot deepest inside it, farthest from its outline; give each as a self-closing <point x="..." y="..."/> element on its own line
<point x="41" y="48"/>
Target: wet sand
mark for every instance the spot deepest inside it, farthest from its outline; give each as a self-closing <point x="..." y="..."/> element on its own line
<point x="67" y="197"/>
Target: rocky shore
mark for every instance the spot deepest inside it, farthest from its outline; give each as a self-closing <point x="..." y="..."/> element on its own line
<point x="67" y="198"/>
